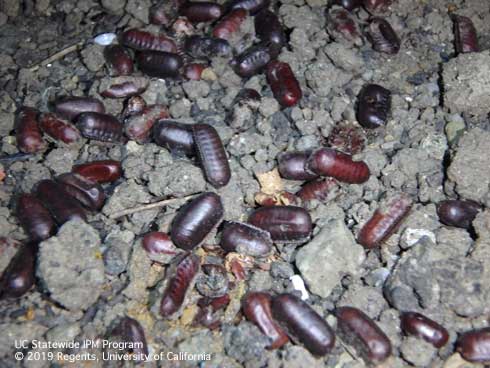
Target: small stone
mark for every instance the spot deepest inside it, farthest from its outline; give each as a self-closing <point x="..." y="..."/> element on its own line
<point x="42" y="5"/>
<point x="127" y="195"/>
<point x="195" y="344"/>
<point x="93" y="57"/>
<point x="331" y="255"/>
<point x="162" y="182"/>
<point x="345" y="58"/>
<point x="61" y="160"/>
<point x="454" y="128"/>
<point x="139" y="9"/>
<point x="411" y="237"/>
<point x="467" y="83"/>
<point x="245" y="342"/>
<point x="114" y="6"/>
<point x="140" y="275"/>
<point x="457" y="361"/>
<point x="208" y="74"/>
<point x="10" y="7"/>
<point x="323" y="76"/>
<point x="435" y="145"/>
<point x="63" y="332"/>
<point x="469" y="166"/>
<point x="298" y="356"/>
<point x="70" y="266"/>
<point x="281" y="270"/>
<point x="196" y="89"/>
<point x="369" y="299"/>
<point x="181" y="108"/>
<point x="7" y="124"/>
<point x="417" y="352"/>
<point x="268" y="106"/>
<point x="12" y="332"/>
<point x="118" y="247"/>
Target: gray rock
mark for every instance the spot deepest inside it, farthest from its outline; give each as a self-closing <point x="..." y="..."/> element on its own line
<point x="268" y="106"/>
<point x="464" y="285"/>
<point x="402" y="297"/>
<point x="427" y="275"/>
<point x="245" y="143"/>
<point x="140" y="159"/>
<point x="6" y="227"/>
<point x="196" y="89"/>
<point x="8" y="249"/>
<point x="70" y="266"/>
<point x="233" y="198"/>
<point x="426" y="94"/>
<point x="410" y="279"/>
<point x="180" y="108"/>
<point x="281" y="270"/>
<point x="139" y="275"/>
<point x="163" y="182"/>
<point x="61" y="160"/>
<point x="227" y="77"/>
<point x="308" y="142"/>
<point x="467" y="83"/>
<point x="370" y="300"/>
<point x="6" y="123"/>
<point x="93" y="57"/>
<point x="11" y="332"/>
<point x="116" y="255"/>
<point x="454" y="128"/>
<point x="300" y="17"/>
<point x="456" y="242"/>
<point x="298" y="356"/>
<point x="33" y="174"/>
<point x="139" y="9"/>
<point x="322" y="77"/>
<point x="332" y="254"/>
<point x="417" y="352"/>
<point x="345" y="58"/>
<point x="202" y="342"/>
<point x="389" y="322"/>
<point x="241" y="116"/>
<point x="156" y="93"/>
<point x="435" y="144"/>
<point x="260" y="280"/>
<point x="482" y="225"/>
<point x="10" y="7"/>
<point x="469" y="166"/>
<point x="125" y="196"/>
<point x="301" y="45"/>
<point x="114" y="6"/>
<point x="377" y="277"/>
<point x="245" y="342"/>
<point x="64" y="332"/>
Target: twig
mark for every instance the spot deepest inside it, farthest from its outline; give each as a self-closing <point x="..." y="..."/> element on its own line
<point x="59" y="55"/>
<point x="150" y="206"/>
<point x="7" y="159"/>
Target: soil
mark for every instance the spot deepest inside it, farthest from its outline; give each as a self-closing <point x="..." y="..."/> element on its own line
<point x="433" y="147"/>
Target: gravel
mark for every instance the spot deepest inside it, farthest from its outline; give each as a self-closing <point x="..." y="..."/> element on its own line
<point x="70" y="266"/>
<point x="467" y="85"/>
<point x="328" y="257"/>
<point x="417" y="351"/>
<point x="433" y="147"/>
<point x="468" y="163"/>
